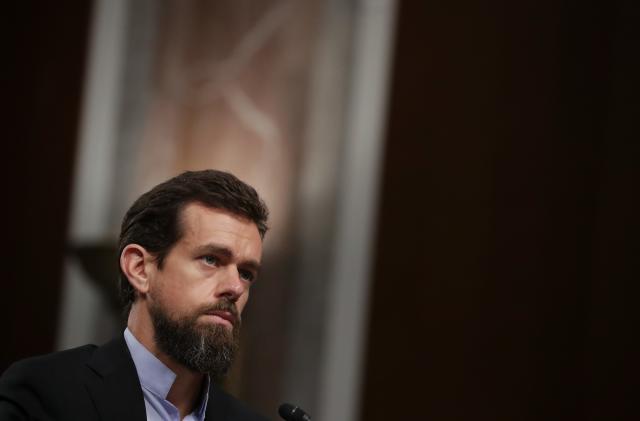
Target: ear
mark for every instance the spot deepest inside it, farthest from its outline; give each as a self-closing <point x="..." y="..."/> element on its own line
<point x="135" y="264"/>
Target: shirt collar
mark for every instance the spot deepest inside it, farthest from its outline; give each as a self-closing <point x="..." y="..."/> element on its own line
<point x="156" y="377"/>
<point x="153" y="374"/>
<point x="203" y="401"/>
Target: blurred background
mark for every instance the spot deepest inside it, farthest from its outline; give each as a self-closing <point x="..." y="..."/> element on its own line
<point x="452" y="188"/>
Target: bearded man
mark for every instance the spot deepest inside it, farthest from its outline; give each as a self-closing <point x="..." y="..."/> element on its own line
<point x="189" y="251"/>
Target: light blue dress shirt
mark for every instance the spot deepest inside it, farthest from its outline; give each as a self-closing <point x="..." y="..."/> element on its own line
<point x="156" y="380"/>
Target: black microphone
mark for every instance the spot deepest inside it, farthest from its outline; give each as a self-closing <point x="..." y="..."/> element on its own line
<point x="292" y="413"/>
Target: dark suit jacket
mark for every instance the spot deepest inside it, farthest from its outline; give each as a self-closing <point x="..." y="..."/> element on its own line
<point x="91" y="383"/>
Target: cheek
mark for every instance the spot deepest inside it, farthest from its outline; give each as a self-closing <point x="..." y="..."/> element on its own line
<point x="242" y="301"/>
<point x="171" y="289"/>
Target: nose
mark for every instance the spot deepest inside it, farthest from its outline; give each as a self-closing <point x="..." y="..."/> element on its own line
<point x="231" y="286"/>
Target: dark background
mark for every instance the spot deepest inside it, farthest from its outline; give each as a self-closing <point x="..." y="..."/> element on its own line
<point x="44" y="69"/>
<point x="506" y="275"/>
<point x="506" y="269"/>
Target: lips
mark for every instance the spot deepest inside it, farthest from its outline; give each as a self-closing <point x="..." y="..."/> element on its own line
<point x="226" y="315"/>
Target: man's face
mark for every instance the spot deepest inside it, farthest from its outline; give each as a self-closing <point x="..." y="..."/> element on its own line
<point x="196" y="299"/>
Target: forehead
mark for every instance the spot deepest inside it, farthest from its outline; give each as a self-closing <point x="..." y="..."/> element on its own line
<point x="202" y="224"/>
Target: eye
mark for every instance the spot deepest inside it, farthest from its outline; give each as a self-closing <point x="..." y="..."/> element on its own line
<point x="247" y="275"/>
<point x="210" y="260"/>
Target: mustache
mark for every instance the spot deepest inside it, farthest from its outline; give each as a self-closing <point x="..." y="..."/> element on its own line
<point x="222" y="305"/>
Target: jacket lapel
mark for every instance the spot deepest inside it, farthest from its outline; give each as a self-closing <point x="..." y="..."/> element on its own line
<point x="113" y="383"/>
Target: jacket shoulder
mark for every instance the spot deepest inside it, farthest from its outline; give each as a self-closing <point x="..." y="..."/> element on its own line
<point x="27" y="385"/>
<point x="54" y="361"/>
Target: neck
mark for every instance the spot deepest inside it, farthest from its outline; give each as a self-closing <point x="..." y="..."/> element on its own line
<point x="187" y="387"/>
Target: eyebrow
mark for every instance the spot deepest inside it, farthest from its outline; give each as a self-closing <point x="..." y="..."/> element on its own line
<point x="226" y="252"/>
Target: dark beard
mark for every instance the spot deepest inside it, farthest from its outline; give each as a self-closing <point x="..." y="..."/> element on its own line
<point x="204" y="348"/>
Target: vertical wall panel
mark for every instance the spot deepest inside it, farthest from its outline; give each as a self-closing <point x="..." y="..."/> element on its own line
<point x="44" y="64"/>
<point x="505" y="253"/>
